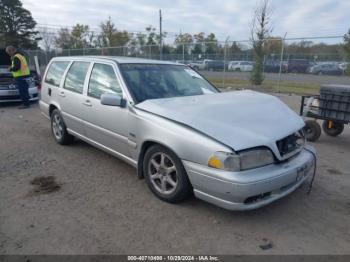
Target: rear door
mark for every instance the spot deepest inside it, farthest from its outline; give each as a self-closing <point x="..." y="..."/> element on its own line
<point x="106" y="125"/>
<point x="71" y="96"/>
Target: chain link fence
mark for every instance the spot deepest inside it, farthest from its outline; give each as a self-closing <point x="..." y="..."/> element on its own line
<point x="289" y="64"/>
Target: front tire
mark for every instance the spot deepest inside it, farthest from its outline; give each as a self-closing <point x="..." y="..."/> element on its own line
<point x="165" y="175"/>
<point x="312" y="130"/>
<point x="59" y="129"/>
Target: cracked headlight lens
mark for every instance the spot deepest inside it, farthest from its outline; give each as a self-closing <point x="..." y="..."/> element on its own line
<point x="244" y="160"/>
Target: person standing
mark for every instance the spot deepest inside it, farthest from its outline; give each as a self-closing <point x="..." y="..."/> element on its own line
<point x="20" y="71"/>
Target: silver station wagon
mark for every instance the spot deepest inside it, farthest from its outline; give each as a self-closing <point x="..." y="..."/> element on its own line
<point x="239" y="150"/>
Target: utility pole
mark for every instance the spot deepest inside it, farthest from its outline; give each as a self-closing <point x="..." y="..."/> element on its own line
<point x="160" y="35"/>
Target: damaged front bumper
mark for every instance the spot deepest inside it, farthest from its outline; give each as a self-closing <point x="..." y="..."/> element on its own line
<point x="253" y="188"/>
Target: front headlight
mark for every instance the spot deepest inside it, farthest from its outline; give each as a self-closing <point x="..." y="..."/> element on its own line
<point x="243" y="161"/>
<point x="256" y="158"/>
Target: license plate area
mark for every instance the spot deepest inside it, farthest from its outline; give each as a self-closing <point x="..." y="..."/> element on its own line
<point x="13" y="92"/>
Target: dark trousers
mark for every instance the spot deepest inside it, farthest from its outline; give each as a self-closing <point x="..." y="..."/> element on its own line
<point x="23" y="86"/>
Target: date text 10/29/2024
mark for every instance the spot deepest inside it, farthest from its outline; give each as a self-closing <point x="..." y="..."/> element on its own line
<point x="173" y="258"/>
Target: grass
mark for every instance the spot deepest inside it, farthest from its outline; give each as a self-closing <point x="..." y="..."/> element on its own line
<point x="268" y="86"/>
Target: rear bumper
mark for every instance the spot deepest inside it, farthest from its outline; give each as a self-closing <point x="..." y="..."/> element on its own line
<point x="253" y="188"/>
<point x="7" y="96"/>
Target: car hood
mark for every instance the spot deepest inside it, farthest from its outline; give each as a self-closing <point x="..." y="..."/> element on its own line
<point x="239" y="119"/>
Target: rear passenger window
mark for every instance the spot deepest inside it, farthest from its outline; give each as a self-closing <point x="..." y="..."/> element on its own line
<point x="76" y="77"/>
<point x="55" y="72"/>
<point x="103" y="80"/>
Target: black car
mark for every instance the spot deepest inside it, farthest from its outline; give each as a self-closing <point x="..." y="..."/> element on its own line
<point x="297" y="66"/>
<point x="8" y="87"/>
<point x="273" y="66"/>
<point x="215" y="65"/>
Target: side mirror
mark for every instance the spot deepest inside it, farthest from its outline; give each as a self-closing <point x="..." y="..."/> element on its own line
<point x="112" y="100"/>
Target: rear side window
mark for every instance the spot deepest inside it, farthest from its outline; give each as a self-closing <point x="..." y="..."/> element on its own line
<point x="55" y="72"/>
<point x="76" y="77"/>
<point x="103" y="80"/>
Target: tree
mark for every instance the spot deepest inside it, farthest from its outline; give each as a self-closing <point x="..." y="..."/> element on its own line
<point x="63" y="40"/>
<point x="183" y="43"/>
<point x="111" y="37"/>
<point x="211" y="44"/>
<point x="78" y="38"/>
<point x="47" y="38"/>
<point x="260" y="30"/>
<point x="346" y="48"/>
<point x="198" y="47"/>
<point x="273" y="46"/>
<point x="81" y="36"/>
<point x="107" y="31"/>
<point x="17" y="25"/>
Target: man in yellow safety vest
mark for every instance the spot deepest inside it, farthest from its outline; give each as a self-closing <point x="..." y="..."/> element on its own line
<point x="20" y="71"/>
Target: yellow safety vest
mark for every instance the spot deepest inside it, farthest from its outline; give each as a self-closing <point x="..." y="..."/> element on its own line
<point x="24" y="70"/>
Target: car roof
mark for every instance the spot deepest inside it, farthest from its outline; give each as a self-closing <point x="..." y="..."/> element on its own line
<point x="117" y="59"/>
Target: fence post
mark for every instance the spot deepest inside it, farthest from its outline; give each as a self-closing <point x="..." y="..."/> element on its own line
<point x="183" y="53"/>
<point x="281" y="61"/>
<point x="225" y="54"/>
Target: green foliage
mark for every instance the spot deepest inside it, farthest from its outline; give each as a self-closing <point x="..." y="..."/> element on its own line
<point x="211" y="46"/>
<point x="198" y="47"/>
<point x="17" y="25"/>
<point x="183" y="43"/>
<point x="79" y="37"/>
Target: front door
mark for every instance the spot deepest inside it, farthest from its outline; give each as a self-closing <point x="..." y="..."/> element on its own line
<point x="106" y="125"/>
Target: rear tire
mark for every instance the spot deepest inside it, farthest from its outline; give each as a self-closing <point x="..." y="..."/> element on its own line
<point x="312" y="130"/>
<point x="336" y="129"/>
<point x="165" y="175"/>
<point x="59" y="129"/>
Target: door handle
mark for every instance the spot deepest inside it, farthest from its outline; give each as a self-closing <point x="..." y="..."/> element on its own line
<point x="61" y="93"/>
<point x="87" y="103"/>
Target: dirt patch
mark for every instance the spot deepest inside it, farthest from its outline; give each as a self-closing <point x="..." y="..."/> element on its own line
<point x="45" y="185"/>
<point x="334" y="171"/>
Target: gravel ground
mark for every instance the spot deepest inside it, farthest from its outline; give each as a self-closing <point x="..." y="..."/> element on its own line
<point x="103" y="208"/>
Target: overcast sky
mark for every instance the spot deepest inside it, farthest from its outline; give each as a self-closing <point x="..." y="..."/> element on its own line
<point x="299" y="18"/>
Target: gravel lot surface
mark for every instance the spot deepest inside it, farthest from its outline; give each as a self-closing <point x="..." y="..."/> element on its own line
<point x="103" y="208"/>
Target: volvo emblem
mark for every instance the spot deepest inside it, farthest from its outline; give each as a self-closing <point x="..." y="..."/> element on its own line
<point x="12" y="86"/>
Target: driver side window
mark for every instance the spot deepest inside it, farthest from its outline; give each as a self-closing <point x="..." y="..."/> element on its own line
<point x="103" y="80"/>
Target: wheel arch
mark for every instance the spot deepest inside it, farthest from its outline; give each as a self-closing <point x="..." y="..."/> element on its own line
<point x="52" y="107"/>
<point x="144" y="147"/>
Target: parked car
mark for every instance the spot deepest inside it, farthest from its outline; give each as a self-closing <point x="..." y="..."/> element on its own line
<point x="343" y="66"/>
<point x="215" y="65"/>
<point x="181" y="133"/>
<point x="326" y="69"/>
<point x="273" y="66"/>
<point x="200" y="65"/>
<point x="244" y="66"/>
<point x="8" y="87"/>
<point x="297" y="66"/>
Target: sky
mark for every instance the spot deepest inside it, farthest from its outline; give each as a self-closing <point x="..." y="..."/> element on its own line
<point x="226" y="18"/>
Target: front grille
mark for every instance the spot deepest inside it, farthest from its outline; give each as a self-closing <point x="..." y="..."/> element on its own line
<point x="291" y="144"/>
<point x="10" y="97"/>
<point x="6" y="80"/>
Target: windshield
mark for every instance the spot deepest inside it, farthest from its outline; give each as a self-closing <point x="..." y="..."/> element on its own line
<point x="152" y="81"/>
